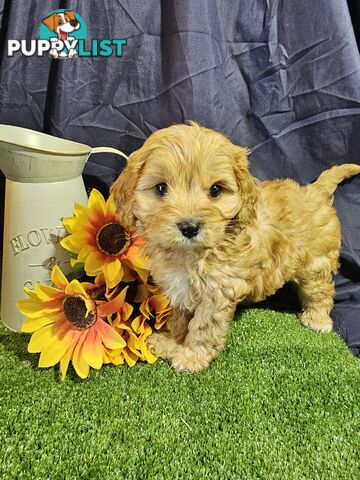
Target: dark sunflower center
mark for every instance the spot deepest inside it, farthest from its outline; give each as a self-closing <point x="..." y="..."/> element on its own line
<point x="75" y="311"/>
<point x="113" y="239"/>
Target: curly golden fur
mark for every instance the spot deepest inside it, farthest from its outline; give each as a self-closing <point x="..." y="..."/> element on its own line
<point x="247" y="237"/>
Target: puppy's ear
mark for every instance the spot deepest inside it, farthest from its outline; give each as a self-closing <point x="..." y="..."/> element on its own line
<point x="71" y="14"/>
<point x="248" y="185"/>
<point x="51" y="22"/>
<point x="123" y="190"/>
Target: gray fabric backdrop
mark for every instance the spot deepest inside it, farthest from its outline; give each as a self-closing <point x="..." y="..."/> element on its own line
<point x="281" y="77"/>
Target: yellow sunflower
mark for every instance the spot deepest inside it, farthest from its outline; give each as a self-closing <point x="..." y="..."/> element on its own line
<point x="126" y="354"/>
<point x="68" y="323"/>
<point x="102" y="244"/>
<point x="121" y="322"/>
<point x="154" y="311"/>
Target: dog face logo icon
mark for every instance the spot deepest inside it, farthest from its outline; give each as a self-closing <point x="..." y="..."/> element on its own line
<point x="62" y="23"/>
<point x="64" y="26"/>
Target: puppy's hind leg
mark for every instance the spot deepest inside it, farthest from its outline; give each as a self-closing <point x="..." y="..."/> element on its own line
<point x="316" y="288"/>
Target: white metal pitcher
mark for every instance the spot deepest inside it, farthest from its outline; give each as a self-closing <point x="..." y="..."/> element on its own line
<point x="43" y="181"/>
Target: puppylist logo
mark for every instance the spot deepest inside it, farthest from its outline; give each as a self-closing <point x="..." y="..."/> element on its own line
<point x="63" y="35"/>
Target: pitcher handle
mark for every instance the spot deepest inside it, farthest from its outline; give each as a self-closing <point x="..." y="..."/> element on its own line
<point x="108" y="150"/>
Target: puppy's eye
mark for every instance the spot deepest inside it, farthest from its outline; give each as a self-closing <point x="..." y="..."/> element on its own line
<point x="61" y="21"/>
<point x="161" y="189"/>
<point x="215" y="190"/>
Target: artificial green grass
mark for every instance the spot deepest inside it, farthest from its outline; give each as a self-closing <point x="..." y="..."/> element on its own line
<point x="281" y="402"/>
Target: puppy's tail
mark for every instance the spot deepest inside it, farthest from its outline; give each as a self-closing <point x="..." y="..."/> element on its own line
<point x="330" y="179"/>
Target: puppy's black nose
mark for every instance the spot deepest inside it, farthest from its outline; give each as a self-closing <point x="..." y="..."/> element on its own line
<point x="189" y="228"/>
<point x="74" y="23"/>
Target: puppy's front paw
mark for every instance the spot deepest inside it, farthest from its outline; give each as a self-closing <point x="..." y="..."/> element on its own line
<point x="159" y="345"/>
<point x="319" y="322"/>
<point x="188" y="361"/>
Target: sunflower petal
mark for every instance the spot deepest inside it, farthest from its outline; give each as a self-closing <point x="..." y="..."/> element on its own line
<point x="135" y="256"/>
<point x="82" y="368"/>
<point x="106" y="357"/>
<point x="116" y="356"/>
<point x="47" y="293"/>
<point x="146" y="332"/>
<point x="138" y="324"/>
<point x="130" y="357"/>
<point x="69" y="223"/>
<point x="79" y="209"/>
<point x="75" y="288"/>
<point x="148" y="356"/>
<point x="110" y="338"/>
<point x="134" y="345"/>
<point x="65" y="360"/>
<point x="93" y="349"/>
<point x="58" y="278"/>
<point x="111" y="270"/>
<point x="32" y="324"/>
<point x="32" y="294"/>
<point x="129" y="275"/>
<point x="143" y="274"/>
<point x="54" y="351"/>
<point x="96" y="202"/>
<point x="35" y="309"/>
<point x="94" y="263"/>
<point x="111" y="207"/>
<point x="74" y="242"/>
<point x="85" y="251"/>
<point x="108" y="308"/>
<point x="100" y="280"/>
<point x="159" y="323"/>
<point x="120" y="326"/>
<point x="118" y="278"/>
<point x="41" y="338"/>
<point x="142" y="293"/>
<point x="68" y="244"/>
<point x="145" y="309"/>
<point x="79" y="224"/>
<point x="158" y="302"/>
<point x="126" y="311"/>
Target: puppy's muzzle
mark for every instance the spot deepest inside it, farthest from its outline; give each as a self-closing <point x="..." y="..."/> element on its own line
<point x="189" y="228"/>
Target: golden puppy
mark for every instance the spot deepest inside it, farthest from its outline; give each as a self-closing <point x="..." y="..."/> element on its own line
<point x="216" y="236"/>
